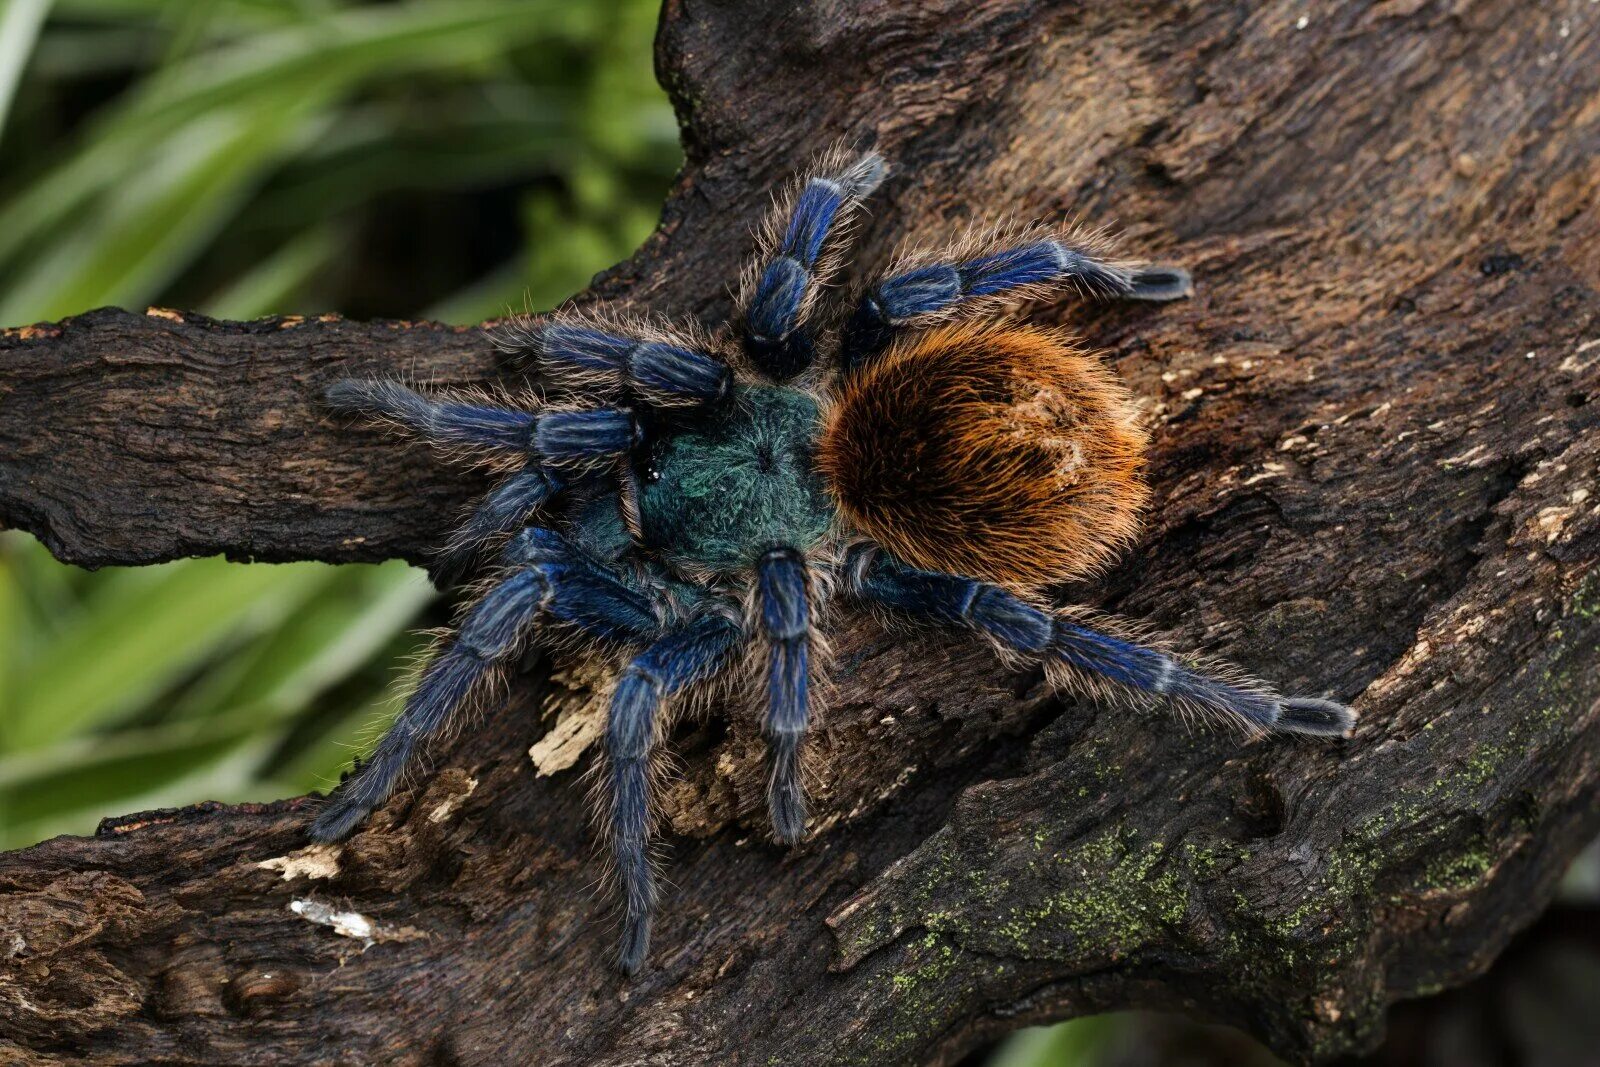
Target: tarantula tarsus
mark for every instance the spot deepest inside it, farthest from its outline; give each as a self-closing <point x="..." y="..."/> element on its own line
<point x="694" y="495"/>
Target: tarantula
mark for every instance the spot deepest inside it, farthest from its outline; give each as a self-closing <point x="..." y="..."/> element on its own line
<point x="696" y="496"/>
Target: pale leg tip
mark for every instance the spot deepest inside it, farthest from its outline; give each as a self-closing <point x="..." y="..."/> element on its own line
<point x="1322" y="718"/>
<point x="1161" y="284"/>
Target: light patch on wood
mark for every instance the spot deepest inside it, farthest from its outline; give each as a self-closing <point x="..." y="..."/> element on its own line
<point x="1469" y="458"/>
<point x="865" y="803"/>
<point x="1551" y="520"/>
<point x="1406" y="666"/>
<point x="163" y="313"/>
<point x="352" y="924"/>
<point x="313" y="861"/>
<point x="1268" y="470"/>
<point x="575" y="730"/>
<point x="448" y="806"/>
<point x="580" y="714"/>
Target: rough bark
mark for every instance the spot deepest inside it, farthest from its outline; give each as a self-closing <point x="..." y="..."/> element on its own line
<point x="1375" y="468"/>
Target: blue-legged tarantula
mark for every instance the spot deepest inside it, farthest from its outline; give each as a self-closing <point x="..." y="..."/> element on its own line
<point x="693" y="495"/>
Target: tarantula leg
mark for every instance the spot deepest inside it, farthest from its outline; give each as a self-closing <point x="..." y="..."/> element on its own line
<point x="440" y="422"/>
<point x="925" y="290"/>
<point x="1080" y="657"/>
<point x="786" y="624"/>
<point x="778" y="301"/>
<point x="564" y="439"/>
<point x="688" y="655"/>
<point x="1159" y="284"/>
<point x="661" y="371"/>
<point x="504" y="511"/>
<point x="585" y="594"/>
<point x="554" y="580"/>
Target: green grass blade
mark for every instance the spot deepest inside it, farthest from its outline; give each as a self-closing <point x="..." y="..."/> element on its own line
<point x="77" y="802"/>
<point x="19" y="29"/>
<point x="14" y="632"/>
<point x="349" y="622"/>
<point x="188" y="187"/>
<point x="137" y="638"/>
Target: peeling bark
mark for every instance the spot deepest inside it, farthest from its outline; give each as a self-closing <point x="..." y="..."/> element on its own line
<point x="1376" y="476"/>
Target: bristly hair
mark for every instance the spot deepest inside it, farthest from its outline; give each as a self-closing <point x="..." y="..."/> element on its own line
<point x="1192" y="706"/>
<point x="998" y="452"/>
<point x="525" y="339"/>
<point x="694" y="702"/>
<point x="858" y="175"/>
<point x="1111" y="276"/>
<point x="820" y="574"/>
<point x="395" y="406"/>
<point x="915" y="451"/>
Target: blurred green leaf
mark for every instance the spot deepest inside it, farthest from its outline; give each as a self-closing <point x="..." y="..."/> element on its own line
<point x="19" y="29"/>
<point x="76" y="800"/>
<point x="137" y="636"/>
<point x="1079" y="1043"/>
<point x="15" y="635"/>
<point x="317" y="58"/>
<point x="350" y="621"/>
<point x="136" y="242"/>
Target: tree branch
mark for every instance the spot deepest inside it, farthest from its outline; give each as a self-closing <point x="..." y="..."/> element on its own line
<point x="1376" y="473"/>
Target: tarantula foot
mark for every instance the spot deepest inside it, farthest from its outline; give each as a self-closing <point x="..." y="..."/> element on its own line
<point x="338" y="821"/>
<point x="788" y="808"/>
<point x="351" y="396"/>
<point x="786" y="798"/>
<point x="1308" y="715"/>
<point x="1160" y="284"/>
<point x="635" y="944"/>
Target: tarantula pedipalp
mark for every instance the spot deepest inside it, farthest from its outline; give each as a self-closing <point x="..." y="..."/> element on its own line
<point x="702" y="494"/>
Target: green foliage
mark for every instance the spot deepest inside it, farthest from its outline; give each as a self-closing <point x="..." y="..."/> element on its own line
<point x="453" y="159"/>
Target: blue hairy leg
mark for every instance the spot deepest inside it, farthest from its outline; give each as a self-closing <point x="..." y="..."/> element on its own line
<point x="660" y="373"/>
<point x="550" y="578"/>
<point x="569" y="440"/>
<point x="688" y="655"/>
<point x="585" y="593"/>
<point x="786" y="624"/>
<point x="1097" y="659"/>
<point x="505" y="510"/>
<point x="933" y="289"/>
<point x="785" y="287"/>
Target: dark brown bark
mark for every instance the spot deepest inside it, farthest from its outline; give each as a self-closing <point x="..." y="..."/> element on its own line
<point x="1376" y="474"/>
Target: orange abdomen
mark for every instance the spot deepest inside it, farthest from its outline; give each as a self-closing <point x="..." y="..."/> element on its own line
<point x="998" y="452"/>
